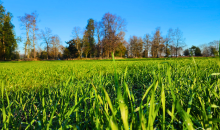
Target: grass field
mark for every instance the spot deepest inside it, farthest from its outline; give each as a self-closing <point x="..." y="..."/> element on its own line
<point x="125" y="94"/>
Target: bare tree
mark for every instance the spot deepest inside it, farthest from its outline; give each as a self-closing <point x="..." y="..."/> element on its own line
<point x="55" y="41"/>
<point x="34" y="28"/>
<point x="172" y="50"/>
<point x="39" y="49"/>
<point x="47" y="37"/>
<point x="98" y="26"/>
<point x="168" y="41"/>
<point x="136" y="46"/>
<point x="214" y="44"/>
<point x="178" y="41"/>
<point x="205" y="50"/>
<point x="113" y="32"/>
<point x="161" y="49"/>
<point x="26" y="21"/>
<point x="76" y="36"/>
<point x="155" y="44"/>
<point x="147" y="44"/>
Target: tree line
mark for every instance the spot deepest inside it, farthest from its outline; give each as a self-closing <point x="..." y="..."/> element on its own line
<point x="101" y="38"/>
<point x="53" y="46"/>
<point x="104" y="37"/>
<point x="98" y="40"/>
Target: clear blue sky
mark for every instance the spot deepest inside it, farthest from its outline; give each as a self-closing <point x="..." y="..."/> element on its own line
<point x="199" y="20"/>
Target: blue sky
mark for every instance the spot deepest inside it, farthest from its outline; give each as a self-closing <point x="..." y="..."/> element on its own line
<point x="199" y="20"/>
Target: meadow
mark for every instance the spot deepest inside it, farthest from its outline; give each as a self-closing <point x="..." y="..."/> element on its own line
<point x="104" y="94"/>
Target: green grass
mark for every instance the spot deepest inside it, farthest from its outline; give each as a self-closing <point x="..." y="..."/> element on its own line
<point x="125" y="94"/>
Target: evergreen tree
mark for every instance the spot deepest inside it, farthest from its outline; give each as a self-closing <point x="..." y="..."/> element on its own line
<point x="186" y="52"/>
<point x="73" y="52"/>
<point x="89" y="37"/>
<point x="8" y="42"/>
<point x="213" y="50"/>
<point x="198" y="52"/>
<point x="9" y="37"/>
<point x="86" y="44"/>
<point x="120" y="50"/>
<point x="66" y="53"/>
<point x="192" y="50"/>
<point x="2" y="16"/>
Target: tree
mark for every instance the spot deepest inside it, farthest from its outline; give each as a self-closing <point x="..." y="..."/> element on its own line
<point x="168" y="41"/>
<point x="161" y="49"/>
<point x="213" y="51"/>
<point x="34" y="28"/>
<point x="26" y="21"/>
<point x="89" y="36"/>
<point x="47" y="37"/>
<point x="136" y="46"/>
<point x="66" y="53"/>
<point x="121" y="49"/>
<point x="192" y="50"/>
<point x="146" y="44"/>
<point x="8" y="43"/>
<point x="15" y="55"/>
<point x="86" y="44"/>
<point x="178" y="40"/>
<point x="2" y="19"/>
<point x="172" y="50"/>
<point x="167" y="51"/>
<point x="77" y="41"/>
<point x="113" y="28"/>
<point x="205" y="50"/>
<point x="43" y="55"/>
<point x="215" y="44"/>
<point x="98" y="26"/>
<point x="155" y="44"/>
<point x="186" y="52"/>
<point x="198" y="52"/>
<point x="55" y="41"/>
<point x="195" y="51"/>
<point x="73" y="51"/>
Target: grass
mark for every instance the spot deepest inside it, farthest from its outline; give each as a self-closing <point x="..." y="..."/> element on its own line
<point x="121" y="94"/>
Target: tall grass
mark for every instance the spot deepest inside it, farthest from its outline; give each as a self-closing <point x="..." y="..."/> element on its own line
<point x="171" y="94"/>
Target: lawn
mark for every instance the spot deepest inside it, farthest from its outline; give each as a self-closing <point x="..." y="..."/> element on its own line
<point x="102" y="94"/>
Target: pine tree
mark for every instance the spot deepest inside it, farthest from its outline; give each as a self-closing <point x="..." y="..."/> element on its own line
<point x="198" y="52"/>
<point x="90" y="30"/>
<point x="8" y="42"/>
<point x="2" y="15"/>
<point x="86" y="44"/>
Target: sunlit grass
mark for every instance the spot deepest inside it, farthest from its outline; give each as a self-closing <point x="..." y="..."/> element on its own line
<point x="128" y="94"/>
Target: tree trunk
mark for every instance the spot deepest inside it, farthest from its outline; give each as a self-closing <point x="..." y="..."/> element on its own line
<point x="100" y="51"/>
<point x="3" y="46"/>
<point x="166" y="51"/>
<point x="146" y="53"/>
<point x="25" y="50"/>
<point x="34" y="40"/>
<point x="107" y="54"/>
<point x="28" y="41"/>
<point x="55" y="53"/>
<point x="176" y="52"/>
<point x="47" y="51"/>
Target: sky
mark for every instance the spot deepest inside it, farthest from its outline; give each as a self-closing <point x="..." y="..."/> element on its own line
<point x="199" y="20"/>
